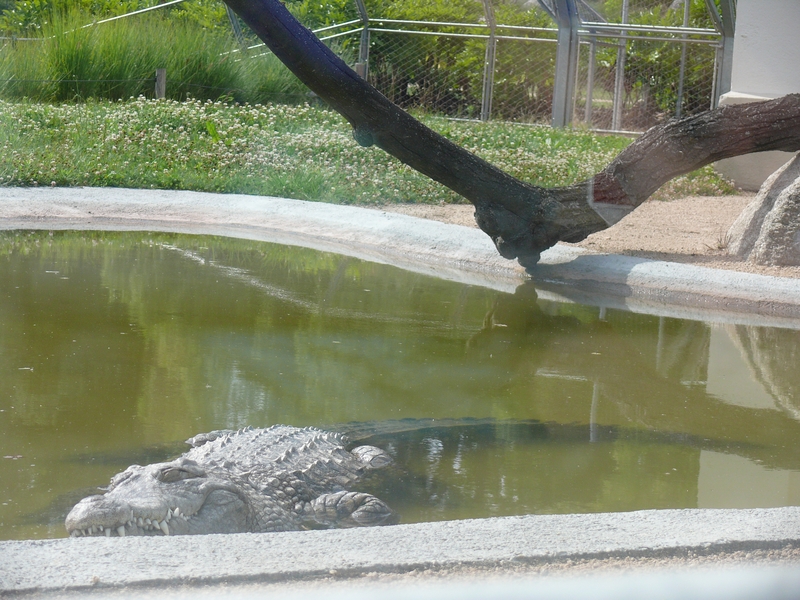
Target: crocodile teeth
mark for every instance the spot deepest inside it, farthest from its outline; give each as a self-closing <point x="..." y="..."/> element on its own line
<point x="148" y="522"/>
<point x="121" y="531"/>
<point x="176" y="512"/>
<point x="169" y="514"/>
<point x="164" y="527"/>
<point x="140" y="521"/>
<point x="108" y="532"/>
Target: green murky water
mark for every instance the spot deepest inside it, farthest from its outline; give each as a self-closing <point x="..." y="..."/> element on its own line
<point x="116" y="347"/>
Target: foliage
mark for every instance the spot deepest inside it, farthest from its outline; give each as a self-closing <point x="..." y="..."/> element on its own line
<point x="444" y="74"/>
<point x="294" y="151"/>
<point x="652" y="67"/>
<point x="23" y="17"/>
<point x="316" y="13"/>
<point x="27" y="16"/>
<point x="118" y="60"/>
<point x="525" y="71"/>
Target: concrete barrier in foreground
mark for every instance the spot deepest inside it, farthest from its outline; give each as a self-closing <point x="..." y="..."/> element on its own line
<point x="156" y="562"/>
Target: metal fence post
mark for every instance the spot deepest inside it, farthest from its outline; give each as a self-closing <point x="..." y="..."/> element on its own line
<point x="362" y="65"/>
<point x="724" y="59"/>
<point x="682" y="72"/>
<point x="489" y="62"/>
<point x="566" y="13"/>
<point x="619" y="78"/>
<point x="161" y="84"/>
<point x="587" y="111"/>
<point x="236" y="27"/>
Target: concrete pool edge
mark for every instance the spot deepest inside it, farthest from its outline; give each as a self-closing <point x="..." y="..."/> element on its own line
<point x="156" y="562"/>
<point x="432" y="248"/>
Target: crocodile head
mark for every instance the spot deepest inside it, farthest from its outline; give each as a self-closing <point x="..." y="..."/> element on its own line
<point x="177" y="497"/>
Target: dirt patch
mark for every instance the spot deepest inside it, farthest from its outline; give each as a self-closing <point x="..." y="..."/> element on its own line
<point x="689" y="230"/>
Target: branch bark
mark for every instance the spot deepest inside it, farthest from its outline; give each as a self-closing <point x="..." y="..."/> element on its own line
<point x="522" y="219"/>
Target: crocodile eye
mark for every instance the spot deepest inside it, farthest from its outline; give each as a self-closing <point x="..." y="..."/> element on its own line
<point x="172" y="474"/>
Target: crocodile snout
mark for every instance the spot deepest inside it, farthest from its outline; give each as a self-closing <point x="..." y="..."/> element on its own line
<point x="95" y="512"/>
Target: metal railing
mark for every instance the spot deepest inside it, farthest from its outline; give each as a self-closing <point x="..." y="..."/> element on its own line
<point x="606" y="76"/>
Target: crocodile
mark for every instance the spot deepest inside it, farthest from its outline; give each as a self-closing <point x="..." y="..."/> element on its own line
<point x="280" y="478"/>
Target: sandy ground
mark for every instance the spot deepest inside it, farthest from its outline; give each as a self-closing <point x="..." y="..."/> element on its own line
<point x="687" y="230"/>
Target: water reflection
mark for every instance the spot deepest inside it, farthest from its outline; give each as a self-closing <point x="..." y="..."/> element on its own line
<point x="657" y="380"/>
<point x="115" y="347"/>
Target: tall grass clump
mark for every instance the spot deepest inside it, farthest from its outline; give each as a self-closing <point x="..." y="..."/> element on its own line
<point x="23" y="72"/>
<point x="266" y="79"/>
<point x="68" y="61"/>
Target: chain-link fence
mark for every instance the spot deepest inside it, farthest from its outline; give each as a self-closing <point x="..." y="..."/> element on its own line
<point x="629" y="76"/>
<point x="445" y="68"/>
<point x="654" y="84"/>
<point x="442" y="68"/>
<point x="634" y="83"/>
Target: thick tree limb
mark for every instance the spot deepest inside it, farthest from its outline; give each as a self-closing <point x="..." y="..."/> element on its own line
<point x="683" y="145"/>
<point x="522" y="219"/>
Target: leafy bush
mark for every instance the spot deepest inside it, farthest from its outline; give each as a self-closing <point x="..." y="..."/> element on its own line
<point x="652" y="68"/>
<point x="436" y="74"/>
<point x="444" y="74"/>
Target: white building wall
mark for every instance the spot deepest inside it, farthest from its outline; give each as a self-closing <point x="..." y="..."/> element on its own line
<point x="766" y="65"/>
<point x="766" y="52"/>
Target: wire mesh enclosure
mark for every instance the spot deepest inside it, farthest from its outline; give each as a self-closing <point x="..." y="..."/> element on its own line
<point x="648" y="62"/>
<point x="461" y="69"/>
<point x="429" y="70"/>
<point x="636" y="67"/>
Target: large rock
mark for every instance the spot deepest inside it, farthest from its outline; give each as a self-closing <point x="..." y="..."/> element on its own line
<point x="768" y="230"/>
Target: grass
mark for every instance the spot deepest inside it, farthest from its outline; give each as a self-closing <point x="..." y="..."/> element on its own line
<point x="298" y="151"/>
<point x="68" y="62"/>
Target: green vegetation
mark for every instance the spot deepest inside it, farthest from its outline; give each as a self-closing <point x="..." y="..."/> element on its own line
<point x="117" y="60"/>
<point x="24" y="17"/>
<point x="222" y="130"/>
<point x="652" y="67"/>
<point x="445" y="74"/>
<point x="442" y="75"/>
<point x="299" y="151"/>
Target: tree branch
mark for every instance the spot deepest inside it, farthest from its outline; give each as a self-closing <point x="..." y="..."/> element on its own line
<point x="522" y="219"/>
<point x="683" y="145"/>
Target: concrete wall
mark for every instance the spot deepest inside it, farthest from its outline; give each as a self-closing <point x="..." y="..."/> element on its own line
<point x="766" y="64"/>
